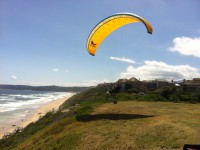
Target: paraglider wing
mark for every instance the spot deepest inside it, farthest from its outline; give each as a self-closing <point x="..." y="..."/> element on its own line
<point x="110" y="24"/>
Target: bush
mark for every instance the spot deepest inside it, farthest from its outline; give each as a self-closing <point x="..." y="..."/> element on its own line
<point x="86" y="109"/>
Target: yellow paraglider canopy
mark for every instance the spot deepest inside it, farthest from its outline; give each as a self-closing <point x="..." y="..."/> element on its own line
<point x="110" y="24"/>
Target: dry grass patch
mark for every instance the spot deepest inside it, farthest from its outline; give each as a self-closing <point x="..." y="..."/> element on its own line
<point x="142" y="125"/>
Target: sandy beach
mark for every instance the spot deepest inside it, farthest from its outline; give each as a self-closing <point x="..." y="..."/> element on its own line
<point x="41" y="111"/>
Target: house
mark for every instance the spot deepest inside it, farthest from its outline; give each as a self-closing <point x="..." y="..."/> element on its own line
<point x="154" y="84"/>
<point x="191" y="85"/>
<point x="123" y="85"/>
<point x="135" y="85"/>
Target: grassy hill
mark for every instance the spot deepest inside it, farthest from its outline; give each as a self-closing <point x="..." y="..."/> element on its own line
<point x="99" y="124"/>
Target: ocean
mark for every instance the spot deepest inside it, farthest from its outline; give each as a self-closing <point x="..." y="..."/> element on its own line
<point x="16" y="105"/>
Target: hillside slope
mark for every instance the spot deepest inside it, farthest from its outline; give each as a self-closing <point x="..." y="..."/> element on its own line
<point x="128" y="125"/>
<point x="99" y="124"/>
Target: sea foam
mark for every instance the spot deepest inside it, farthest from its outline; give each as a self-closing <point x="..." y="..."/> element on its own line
<point x="15" y="104"/>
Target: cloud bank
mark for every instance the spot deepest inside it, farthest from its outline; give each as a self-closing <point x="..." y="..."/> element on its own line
<point x="186" y="46"/>
<point x="160" y="70"/>
<point x="123" y="59"/>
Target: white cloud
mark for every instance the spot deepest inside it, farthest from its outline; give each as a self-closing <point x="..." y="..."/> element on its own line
<point x="160" y="70"/>
<point x="123" y="59"/>
<point x="55" y="70"/>
<point x="94" y="82"/>
<point x="13" y="77"/>
<point x="83" y="83"/>
<point x="186" y="46"/>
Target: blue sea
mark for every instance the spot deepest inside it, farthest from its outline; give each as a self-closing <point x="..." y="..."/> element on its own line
<point x="18" y="104"/>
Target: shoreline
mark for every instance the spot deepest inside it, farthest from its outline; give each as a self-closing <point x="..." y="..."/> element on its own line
<point x="39" y="112"/>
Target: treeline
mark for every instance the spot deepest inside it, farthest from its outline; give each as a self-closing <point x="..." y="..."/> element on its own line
<point x="43" y="88"/>
<point x="167" y="93"/>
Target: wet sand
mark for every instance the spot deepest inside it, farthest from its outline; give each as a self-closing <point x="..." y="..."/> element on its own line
<point x="41" y="111"/>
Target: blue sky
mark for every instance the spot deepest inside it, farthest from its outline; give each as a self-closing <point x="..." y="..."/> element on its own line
<point x="44" y="42"/>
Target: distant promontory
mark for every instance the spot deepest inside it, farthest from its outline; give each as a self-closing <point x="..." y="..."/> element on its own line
<point x="43" y="88"/>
